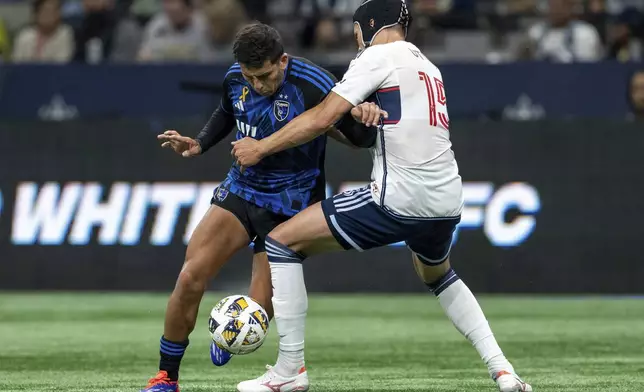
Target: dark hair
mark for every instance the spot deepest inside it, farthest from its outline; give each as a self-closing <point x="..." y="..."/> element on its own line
<point x="37" y="5"/>
<point x="256" y="43"/>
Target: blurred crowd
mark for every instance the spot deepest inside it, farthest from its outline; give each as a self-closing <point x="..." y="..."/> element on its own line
<point x="94" y="31"/>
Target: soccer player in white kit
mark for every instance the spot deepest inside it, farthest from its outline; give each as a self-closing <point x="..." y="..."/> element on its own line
<point x="415" y="194"/>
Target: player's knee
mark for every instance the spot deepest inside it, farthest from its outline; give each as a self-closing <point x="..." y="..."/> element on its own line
<point x="431" y="273"/>
<point x="190" y="282"/>
<point x="280" y="235"/>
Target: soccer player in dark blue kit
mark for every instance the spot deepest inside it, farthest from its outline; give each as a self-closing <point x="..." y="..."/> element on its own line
<point x="263" y="91"/>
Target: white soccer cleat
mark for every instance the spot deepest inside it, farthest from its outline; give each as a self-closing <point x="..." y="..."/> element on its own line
<point x="273" y="382"/>
<point x="509" y="382"/>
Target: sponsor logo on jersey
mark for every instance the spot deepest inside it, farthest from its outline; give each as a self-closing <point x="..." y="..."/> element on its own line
<point x="281" y="109"/>
<point x="246" y="129"/>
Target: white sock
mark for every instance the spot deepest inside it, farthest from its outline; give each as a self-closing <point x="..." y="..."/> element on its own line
<point x="466" y="314"/>
<point x="289" y="304"/>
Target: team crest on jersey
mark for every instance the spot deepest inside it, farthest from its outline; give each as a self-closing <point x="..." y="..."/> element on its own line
<point x="221" y="194"/>
<point x="281" y="109"/>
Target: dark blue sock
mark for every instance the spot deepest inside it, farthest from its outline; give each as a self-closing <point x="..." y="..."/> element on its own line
<point x="280" y="253"/>
<point x="171" y="354"/>
<point x="441" y="284"/>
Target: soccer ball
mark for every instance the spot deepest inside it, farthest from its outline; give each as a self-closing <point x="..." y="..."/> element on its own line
<point x="238" y="324"/>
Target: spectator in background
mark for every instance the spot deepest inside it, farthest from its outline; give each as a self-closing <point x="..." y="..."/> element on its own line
<point x="178" y="33"/>
<point x="625" y="36"/>
<point x="562" y="37"/>
<point x="449" y="14"/>
<point x="315" y="12"/>
<point x="4" y="42"/>
<point x="256" y="10"/>
<point x="103" y="33"/>
<point x="597" y="15"/>
<point x="326" y="34"/>
<point x="225" y="18"/>
<point x="636" y="95"/>
<point x="47" y="40"/>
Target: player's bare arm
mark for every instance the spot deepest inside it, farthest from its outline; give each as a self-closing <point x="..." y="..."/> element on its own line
<point x="220" y="124"/>
<point x="306" y="127"/>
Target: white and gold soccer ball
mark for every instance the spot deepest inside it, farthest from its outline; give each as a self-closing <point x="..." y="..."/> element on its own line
<point x="238" y="324"/>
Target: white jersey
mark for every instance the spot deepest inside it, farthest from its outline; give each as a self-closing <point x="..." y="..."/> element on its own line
<point x="414" y="170"/>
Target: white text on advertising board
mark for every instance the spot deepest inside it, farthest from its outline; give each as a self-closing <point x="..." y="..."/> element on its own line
<point x="119" y="213"/>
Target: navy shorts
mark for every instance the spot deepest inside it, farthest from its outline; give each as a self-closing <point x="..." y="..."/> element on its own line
<point x="257" y="221"/>
<point x="357" y="222"/>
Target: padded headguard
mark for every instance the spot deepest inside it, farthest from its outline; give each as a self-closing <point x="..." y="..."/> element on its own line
<point x="375" y="15"/>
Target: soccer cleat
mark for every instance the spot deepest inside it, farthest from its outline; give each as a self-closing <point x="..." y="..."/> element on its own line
<point x="273" y="382"/>
<point x="218" y="356"/>
<point x="161" y="383"/>
<point x="509" y="382"/>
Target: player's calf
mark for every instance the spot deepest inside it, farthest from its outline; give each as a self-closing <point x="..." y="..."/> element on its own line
<point x="217" y="237"/>
<point x="261" y="289"/>
<point x="466" y="314"/>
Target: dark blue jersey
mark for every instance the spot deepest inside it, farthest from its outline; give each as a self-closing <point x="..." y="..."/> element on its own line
<point x="288" y="181"/>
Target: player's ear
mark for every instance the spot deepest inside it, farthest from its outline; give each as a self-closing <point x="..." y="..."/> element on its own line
<point x="283" y="61"/>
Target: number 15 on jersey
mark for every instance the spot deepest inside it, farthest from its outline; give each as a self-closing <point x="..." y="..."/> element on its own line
<point x="437" y="101"/>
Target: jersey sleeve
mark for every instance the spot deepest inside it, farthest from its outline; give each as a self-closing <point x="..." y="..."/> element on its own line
<point x="315" y="85"/>
<point x="365" y="75"/>
<point x="220" y="124"/>
<point x="226" y="104"/>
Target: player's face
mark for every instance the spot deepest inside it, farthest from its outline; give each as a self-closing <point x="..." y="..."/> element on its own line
<point x="267" y="79"/>
<point x="357" y="34"/>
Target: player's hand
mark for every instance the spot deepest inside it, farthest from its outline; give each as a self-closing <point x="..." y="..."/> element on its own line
<point x="368" y="113"/>
<point x="183" y="145"/>
<point x="247" y="152"/>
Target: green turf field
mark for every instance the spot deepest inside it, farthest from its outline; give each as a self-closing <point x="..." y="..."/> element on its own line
<point x="108" y="342"/>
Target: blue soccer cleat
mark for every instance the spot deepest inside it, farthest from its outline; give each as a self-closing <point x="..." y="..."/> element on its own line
<point x="218" y="356"/>
<point x="161" y="383"/>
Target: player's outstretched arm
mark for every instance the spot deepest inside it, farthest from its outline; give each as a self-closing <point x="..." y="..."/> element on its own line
<point x="221" y="123"/>
<point x="217" y="128"/>
<point x="182" y="145"/>
<point x="334" y="133"/>
<point x="301" y="129"/>
<point x="358" y="128"/>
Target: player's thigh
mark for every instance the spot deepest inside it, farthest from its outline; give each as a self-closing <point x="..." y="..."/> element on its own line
<point x="307" y="232"/>
<point x="218" y="236"/>
<point x="358" y="222"/>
